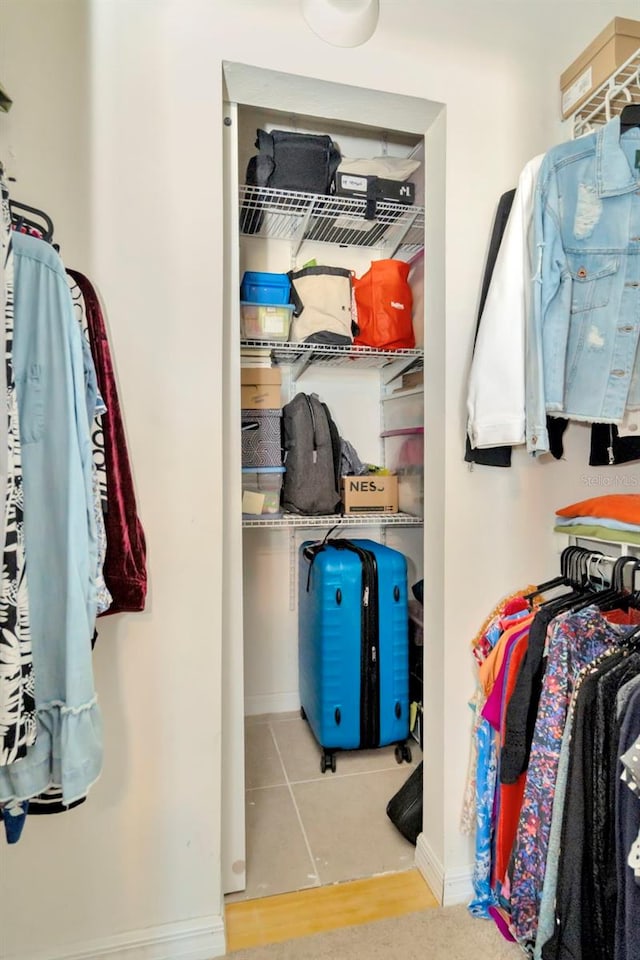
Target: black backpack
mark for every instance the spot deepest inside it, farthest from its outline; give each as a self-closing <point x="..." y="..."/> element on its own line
<point x="311" y="444"/>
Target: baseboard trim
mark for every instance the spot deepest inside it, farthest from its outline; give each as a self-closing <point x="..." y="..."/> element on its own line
<point x="458" y="887"/>
<point x="430" y="867"/>
<point x="450" y="888"/>
<point x="271" y="703"/>
<point x="199" y="939"/>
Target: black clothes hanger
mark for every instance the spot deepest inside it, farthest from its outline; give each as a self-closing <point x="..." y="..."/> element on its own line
<point x="574" y="562"/>
<point x="632" y="639"/>
<point x="629" y="117"/>
<point x="19" y="219"/>
<point x="562" y="580"/>
<point x="633" y="597"/>
<point x="616" y="596"/>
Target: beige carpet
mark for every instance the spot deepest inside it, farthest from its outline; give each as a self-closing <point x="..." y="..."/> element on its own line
<point x="435" y="934"/>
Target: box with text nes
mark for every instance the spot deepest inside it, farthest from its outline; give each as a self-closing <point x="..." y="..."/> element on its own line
<point x="370" y="494"/>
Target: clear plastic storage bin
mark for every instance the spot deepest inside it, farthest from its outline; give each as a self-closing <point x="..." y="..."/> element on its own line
<point x="404" y="455"/>
<point x="266" y="483"/>
<point x="260" y="321"/>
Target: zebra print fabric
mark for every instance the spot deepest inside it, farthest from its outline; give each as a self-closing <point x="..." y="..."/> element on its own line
<point x="17" y="681"/>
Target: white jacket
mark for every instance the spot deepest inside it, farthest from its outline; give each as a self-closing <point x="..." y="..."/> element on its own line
<point x="505" y="404"/>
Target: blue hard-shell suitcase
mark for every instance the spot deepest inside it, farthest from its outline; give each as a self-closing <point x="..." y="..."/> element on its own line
<point x="353" y="646"/>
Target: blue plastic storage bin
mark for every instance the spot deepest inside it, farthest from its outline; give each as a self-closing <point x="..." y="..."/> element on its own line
<point x="270" y="288"/>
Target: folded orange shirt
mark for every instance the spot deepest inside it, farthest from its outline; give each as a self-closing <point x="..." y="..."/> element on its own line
<point x="614" y="506"/>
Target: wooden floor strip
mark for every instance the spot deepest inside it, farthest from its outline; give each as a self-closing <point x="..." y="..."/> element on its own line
<point x="251" y="923"/>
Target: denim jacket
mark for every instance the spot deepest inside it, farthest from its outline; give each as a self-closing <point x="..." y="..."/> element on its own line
<point x="586" y="310"/>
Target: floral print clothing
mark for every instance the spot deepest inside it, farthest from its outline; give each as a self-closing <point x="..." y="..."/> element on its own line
<point x="485" y="781"/>
<point x="485" y="792"/>
<point x="575" y="640"/>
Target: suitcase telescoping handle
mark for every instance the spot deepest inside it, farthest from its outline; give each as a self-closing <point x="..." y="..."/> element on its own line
<point x="311" y="552"/>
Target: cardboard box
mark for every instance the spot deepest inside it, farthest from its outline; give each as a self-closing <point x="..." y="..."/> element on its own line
<point x="411" y="380"/>
<point x="370" y="494"/>
<point x="611" y="48"/>
<point x="260" y="388"/>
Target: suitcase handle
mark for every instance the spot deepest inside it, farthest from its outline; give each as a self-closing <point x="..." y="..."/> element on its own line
<point x="310" y="553"/>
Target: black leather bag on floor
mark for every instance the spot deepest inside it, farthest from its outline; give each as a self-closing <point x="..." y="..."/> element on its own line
<point x="405" y="807"/>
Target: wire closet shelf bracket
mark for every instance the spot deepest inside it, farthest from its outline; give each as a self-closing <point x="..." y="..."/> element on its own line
<point x="621" y="88"/>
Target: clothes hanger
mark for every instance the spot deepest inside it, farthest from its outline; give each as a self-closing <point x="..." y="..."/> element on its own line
<point x="586" y="590"/>
<point x="574" y="561"/>
<point x="632" y="639"/>
<point x="629" y="117"/>
<point x="18" y="211"/>
<point x="562" y="580"/>
<point x="633" y="596"/>
<point x="615" y="595"/>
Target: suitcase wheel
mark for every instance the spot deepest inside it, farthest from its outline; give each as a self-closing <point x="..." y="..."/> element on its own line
<point x="327" y="761"/>
<point x="302" y="713"/>
<point x="402" y="752"/>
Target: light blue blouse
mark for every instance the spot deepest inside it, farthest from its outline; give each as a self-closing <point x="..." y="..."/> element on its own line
<point x="59" y="529"/>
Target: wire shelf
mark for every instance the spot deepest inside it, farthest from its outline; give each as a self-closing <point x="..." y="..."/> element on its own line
<point x="346" y="520"/>
<point x="285" y="353"/>
<point x="621" y="88"/>
<point x="290" y="215"/>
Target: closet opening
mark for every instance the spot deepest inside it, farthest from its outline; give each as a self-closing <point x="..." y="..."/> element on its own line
<point x="295" y="815"/>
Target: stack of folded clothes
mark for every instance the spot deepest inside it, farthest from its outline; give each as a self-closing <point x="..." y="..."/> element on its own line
<point x="614" y="516"/>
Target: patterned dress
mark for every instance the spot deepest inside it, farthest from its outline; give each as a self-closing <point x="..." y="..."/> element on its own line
<point x="485" y="785"/>
<point x="17" y="689"/>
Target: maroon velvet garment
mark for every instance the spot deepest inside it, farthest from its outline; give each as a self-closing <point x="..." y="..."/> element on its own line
<point x="125" y="570"/>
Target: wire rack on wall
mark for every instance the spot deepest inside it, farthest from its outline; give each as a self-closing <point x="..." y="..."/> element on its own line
<point x="341" y="520"/>
<point x="290" y="215"/>
<point x="621" y="88"/>
<point x="301" y="355"/>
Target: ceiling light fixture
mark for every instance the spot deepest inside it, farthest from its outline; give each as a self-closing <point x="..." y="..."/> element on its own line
<point x="343" y="23"/>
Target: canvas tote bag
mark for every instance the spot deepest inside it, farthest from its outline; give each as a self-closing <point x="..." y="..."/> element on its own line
<point x="322" y="300"/>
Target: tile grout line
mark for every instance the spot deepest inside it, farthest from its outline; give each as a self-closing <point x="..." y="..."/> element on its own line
<point x="295" y="805"/>
<point x="335" y="776"/>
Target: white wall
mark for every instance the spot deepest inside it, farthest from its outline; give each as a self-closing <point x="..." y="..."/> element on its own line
<point x="117" y="130"/>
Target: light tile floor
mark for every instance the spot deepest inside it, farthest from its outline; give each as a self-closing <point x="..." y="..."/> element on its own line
<point x="308" y="829"/>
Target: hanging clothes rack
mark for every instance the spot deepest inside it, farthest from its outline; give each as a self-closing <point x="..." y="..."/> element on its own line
<point x="22" y="215"/>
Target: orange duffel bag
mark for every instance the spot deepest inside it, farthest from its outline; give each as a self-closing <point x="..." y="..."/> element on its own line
<point x="384" y="304"/>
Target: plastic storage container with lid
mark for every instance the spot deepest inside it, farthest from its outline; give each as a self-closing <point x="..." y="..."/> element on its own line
<point x="261" y="488"/>
<point x="260" y="287"/>
<point x="260" y="321"/>
<point x="404" y="455"/>
<point x="261" y="438"/>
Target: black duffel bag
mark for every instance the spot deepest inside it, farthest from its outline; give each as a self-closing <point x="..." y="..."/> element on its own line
<point x="405" y="807"/>
<point x="304" y="162"/>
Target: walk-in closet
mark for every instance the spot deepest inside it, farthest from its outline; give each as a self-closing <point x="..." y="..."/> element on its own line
<point x="308" y="823"/>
